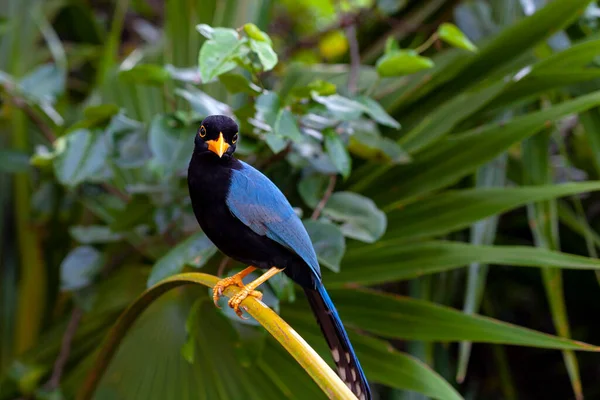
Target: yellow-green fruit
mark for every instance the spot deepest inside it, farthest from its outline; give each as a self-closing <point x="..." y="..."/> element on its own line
<point x="333" y="45"/>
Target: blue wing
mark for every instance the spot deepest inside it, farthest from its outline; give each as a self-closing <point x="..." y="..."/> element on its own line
<point x="261" y="206"/>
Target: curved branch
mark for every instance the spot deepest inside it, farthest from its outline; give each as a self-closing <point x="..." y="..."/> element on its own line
<point x="318" y="369"/>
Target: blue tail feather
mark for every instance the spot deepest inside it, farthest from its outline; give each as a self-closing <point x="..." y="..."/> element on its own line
<point x="345" y="359"/>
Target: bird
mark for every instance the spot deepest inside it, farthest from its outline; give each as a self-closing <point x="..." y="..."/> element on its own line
<point x="250" y="220"/>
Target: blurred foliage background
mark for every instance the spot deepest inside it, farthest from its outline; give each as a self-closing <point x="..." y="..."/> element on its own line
<point x="433" y="148"/>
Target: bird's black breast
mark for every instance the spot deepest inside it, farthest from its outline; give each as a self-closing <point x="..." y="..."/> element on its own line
<point x="208" y="183"/>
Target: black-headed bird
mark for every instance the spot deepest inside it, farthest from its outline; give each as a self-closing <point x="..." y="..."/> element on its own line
<point x="250" y="220"/>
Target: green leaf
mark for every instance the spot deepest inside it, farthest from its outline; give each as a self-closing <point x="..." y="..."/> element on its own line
<point x="100" y="113"/>
<point x="312" y="188"/>
<point x="465" y="70"/>
<point x="202" y="103"/>
<point x="255" y="33"/>
<point x="275" y="143"/>
<point x="44" y="83"/>
<point x="366" y="142"/>
<point x="360" y="217"/>
<point x="266" y="55"/>
<point x="442" y="120"/>
<point x="149" y="74"/>
<point x="416" y="221"/>
<point x="4" y="25"/>
<point x="205" y="30"/>
<point x="216" y="338"/>
<point x="13" y="161"/>
<point x="137" y="211"/>
<point x="170" y="143"/>
<point x="402" y="62"/>
<point x="319" y="86"/>
<point x="218" y="53"/>
<point x="267" y="107"/>
<point x="236" y="83"/>
<point x="450" y="34"/>
<point x="382" y="363"/>
<point x="401" y="317"/>
<point x="461" y="154"/>
<point x="375" y="111"/>
<point x="286" y="126"/>
<point x="94" y="234"/>
<point x="341" y="107"/>
<point x="337" y="152"/>
<point x="391" y="45"/>
<point x="79" y="267"/>
<point x="81" y="156"/>
<point x="543" y="214"/>
<point x="482" y="232"/>
<point x="393" y="260"/>
<point x="188" y="75"/>
<point x="188" y="350"/>
<point x="328" y="241"/>
<point x="194" y="251"/>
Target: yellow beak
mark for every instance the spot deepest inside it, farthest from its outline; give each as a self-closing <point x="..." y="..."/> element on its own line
<point x="219" y="146"/>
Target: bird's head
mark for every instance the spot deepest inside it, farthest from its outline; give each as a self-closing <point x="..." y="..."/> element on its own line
<point x="217" y="134"/>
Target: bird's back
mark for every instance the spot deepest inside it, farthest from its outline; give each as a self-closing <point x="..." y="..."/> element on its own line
<point x="248" y="218"/>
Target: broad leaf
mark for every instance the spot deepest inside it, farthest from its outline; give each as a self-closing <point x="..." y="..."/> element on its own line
<point x="461" y="154"/>
<point x="338" y="154"/>
<point x="393" y="260"/>
<point x="266" y="55"/>
<point x="94" y="234"/>
<point x="194" y="251"/>
<point x="171" y="144"/>
<point x="437" y="215"/>
<point x="360" y="217"/>
<point x="399" y="317"/>
<point x="382" y="363"/>
<point x="450" y="33"/>
<point x="328" y="241"/>
<point x="215" y="338"/>
<point x="13" y="161"/>
<point x="312" y="188"/>
<point x="218" y="53"/>
<point x="147" y="74"/>
<point x="286" y="126"/>
<point x="375" y="111"/>
<point x="237" y="83"/>
<point x="81" y="156"/>
<point x="202" y="103"/>
<point x="79" y="267"/>
<point x="402" y="62"/>
<point x="44" y="84"/>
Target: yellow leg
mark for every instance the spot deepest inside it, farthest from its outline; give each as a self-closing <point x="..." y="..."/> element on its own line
<point x="248" y="290"/>
<point x="232" y="280"/>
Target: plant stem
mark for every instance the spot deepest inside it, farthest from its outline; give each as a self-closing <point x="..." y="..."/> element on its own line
<point x="314" y="365"/>
<point x="427" y="43"/>
<point x="321" y="205"/>
<point x="354" y="59"/>
<point x="32" y="283"/>
<point x="65" y="349"/>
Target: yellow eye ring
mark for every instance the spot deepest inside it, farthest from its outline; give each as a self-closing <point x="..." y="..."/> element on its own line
<point x="234" y="139"/>
<point x="202" y="132"/>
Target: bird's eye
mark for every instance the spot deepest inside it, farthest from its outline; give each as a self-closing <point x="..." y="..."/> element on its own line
<point x="202" y="131"/>
<point x="234" y="139"/>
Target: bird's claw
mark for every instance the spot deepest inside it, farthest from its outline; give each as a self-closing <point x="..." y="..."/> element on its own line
<point x="223" y="284"/>
<point x="236" y="300"/>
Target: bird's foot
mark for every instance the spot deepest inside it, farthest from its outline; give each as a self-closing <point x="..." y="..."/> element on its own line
<point x="230" y="281"/>
<point x="236" y="300"/>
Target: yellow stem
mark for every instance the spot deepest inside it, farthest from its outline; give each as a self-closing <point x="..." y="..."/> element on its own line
<point x="314" y="365"/>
